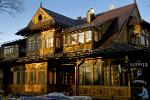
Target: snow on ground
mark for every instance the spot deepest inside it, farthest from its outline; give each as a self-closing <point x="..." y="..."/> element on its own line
<point x="55" y="96"/>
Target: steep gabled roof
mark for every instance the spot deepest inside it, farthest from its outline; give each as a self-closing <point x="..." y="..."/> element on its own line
<point x="58" y="20"/>
<point x="61" y="19"/>
<point x="118" y="18"/>
<point x="122" y="13"/>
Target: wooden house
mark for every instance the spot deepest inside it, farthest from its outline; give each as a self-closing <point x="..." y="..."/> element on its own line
<point x="9" y="54"/>
<point x="99" y="55"/>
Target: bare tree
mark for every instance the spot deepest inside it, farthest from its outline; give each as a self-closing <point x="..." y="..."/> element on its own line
<point x="12" y="6"/>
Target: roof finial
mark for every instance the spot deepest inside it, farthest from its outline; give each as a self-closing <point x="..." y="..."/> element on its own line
<point x="41" y="3"/>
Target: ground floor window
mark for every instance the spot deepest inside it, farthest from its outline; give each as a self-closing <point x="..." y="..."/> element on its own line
<point x="34" y="73"/>
<point x="18" y="77"/>
<point x="52" y="77"/>
<point x="101" y="72"/>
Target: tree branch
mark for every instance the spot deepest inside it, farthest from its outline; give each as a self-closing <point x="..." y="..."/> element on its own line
<point x="12" y="6"/>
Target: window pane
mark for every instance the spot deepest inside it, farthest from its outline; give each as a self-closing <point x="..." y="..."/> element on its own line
<point x="82" y="74"/>
<point x="98" y="72"/>
<point x="32" y="77"/>
<point x="18" y="77"/>
<point x="38" y="44"/>
<point x="42" y="77"/>
<point x="52" y="77"/>
<point x="142" y="40"/>
<point x="88" y="36"/>
<point x="15" y="77"/>
<point x="49" y="42"/>
<point x="22" y="79"/>
<point x="106" y="74"/>
<point x="66" y="39"/>
<point x="88" y="73"/>
<point x="81" y="37"/>
<point x="74" y="38"/>
<point x="57" y="42"/>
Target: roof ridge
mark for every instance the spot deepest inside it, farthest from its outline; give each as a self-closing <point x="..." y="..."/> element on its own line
<point x="57" y="13"/>
<point x="115" y="9"/>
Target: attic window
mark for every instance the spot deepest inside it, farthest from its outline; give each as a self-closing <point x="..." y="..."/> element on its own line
<point x="40" y="18"/>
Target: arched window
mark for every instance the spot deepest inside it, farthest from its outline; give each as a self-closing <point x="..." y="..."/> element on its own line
<point x="40" y="17"/>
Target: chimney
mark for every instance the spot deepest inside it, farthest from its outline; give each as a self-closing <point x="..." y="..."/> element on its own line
<point x="111" y="7"/>
<point x="90" y="15"/>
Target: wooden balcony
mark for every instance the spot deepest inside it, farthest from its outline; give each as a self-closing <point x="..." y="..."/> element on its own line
<point x="78" y="47"/>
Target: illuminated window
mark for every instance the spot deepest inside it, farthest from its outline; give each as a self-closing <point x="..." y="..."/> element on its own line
<point x="57" y="42"/>
<point x="66" y="39"/>
<point x="41" y="77"/>
<point x="85" y="74"/>
<point x="88" y="36"/>
<point x="19" y="77"/>
<point x="134" y="38"/>
<point x="15" y="77"/>
<point x="52" y="77"/>
<point x="74" y="38"/>
<point x="33" y="77"/>
<point x="98" y="72"/>
<point x="143" y="37"/>
<point x="38" y="44"/>
<point x="106" y="74"/>
<point x="88" y="73"/>
<point x="81" y="37"/>
<point x="49" y="42"/>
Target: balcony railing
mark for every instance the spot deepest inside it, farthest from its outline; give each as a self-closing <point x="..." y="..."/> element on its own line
<point x="105" y="91"/>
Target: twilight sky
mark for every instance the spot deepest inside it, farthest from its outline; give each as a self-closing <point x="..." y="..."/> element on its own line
<point x="71" y="8"/>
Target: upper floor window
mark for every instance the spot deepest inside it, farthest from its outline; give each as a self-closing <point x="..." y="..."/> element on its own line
<point x="49" y="42"/>
<point x="88" y="36"/>
<point x="38" y="43"/>
<point x="57" y="43"/>
<point x="147" y="39"/>
<point x="134" y="38"/>
<point x="74" y="38"/>
<point x="81" y="37"/>
<point x="31" y="46"/>
<point x="40" y="17"/>
<point x="9" y="50"/>
<point x="143" y="37"/>
<point x="66" y="39"/>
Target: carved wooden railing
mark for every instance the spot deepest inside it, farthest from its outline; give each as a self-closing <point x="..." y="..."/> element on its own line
<point x="10" y="56"/>
<point x="105" y="91"/>
<point x="28" y="89"/>
<point x="78" y="47"/>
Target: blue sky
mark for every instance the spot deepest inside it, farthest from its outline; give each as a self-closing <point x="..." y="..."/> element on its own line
<point x="71" y="8"/>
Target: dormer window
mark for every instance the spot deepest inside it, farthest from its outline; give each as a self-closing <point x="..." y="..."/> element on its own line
<point x="40" y="17"/>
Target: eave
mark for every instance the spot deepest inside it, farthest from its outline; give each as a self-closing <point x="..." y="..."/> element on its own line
<point x="33" y="28"/>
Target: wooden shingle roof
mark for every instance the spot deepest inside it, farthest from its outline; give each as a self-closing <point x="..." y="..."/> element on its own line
<point x="121" y="13"/>
<point x="58" y="20"/>
<point x="16" y="42"/>
<point x="63" y="20"/>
